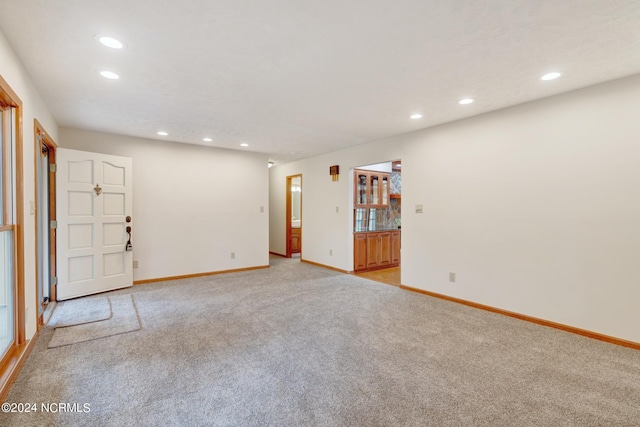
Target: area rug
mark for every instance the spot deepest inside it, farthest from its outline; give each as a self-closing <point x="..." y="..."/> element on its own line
<point x="80" y="310"/>
<point x="123" y="319"/>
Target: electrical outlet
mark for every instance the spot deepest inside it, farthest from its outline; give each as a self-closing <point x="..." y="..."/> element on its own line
<point x="136" y="263"/>
<point x="233" y="255"/>
<point x="261" y="209"/>
<point x="330" y="252"/>
<point x="452" y="277"/>
<point x="337" y="209"/>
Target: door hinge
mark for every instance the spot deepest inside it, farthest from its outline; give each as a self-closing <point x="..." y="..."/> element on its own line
<point x="54" y="280"/>
<point x="53" y="168"/>
<point x="54" y="224"/>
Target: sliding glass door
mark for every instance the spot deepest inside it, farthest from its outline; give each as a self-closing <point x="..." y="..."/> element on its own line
<point x="7" y="326"/>
<point x="7" y="232"/>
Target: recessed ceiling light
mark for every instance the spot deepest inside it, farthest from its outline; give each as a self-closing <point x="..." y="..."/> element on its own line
<point x="551" y="76"/>
<point x="162" y="133"/>
<point x="111" y="42"/>
<point x="207" y="139"/>
<point x="465" y="101"/>
<point x="244" y="144"/>
<point x="109" y="75"/>
<point x="416" y="116"/>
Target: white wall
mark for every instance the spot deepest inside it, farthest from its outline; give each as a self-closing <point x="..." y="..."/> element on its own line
<point x="14" y="74"/>
<point x="193" y="205"/>
<point x="535" y="208"/>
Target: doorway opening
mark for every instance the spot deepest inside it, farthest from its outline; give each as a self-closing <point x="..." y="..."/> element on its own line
<point x="377" y="221"/>
<point x="45" y="213"/>
<point x="294" y="216"/>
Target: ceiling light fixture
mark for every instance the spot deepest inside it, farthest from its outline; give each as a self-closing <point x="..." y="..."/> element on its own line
<point x="207" y="139"/>
<point x="244" y="144"/>
<point x="162" y="133"/>
<point x="551" y="76"/>
<point x="465" y="101"/>
<point x="111" y="42"/>
<point x="109" y="75"/>
<point x="416" y="116"/>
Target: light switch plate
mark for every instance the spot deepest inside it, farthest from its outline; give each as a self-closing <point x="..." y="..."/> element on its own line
<point x="418" y="208"/>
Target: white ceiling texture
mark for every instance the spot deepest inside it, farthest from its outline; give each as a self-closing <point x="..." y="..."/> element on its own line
<point x="296" y="78"/>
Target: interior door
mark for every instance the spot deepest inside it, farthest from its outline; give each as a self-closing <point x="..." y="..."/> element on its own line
<point x="93" y="211"/>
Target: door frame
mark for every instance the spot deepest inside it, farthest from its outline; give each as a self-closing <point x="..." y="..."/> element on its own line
<point x="40" y="135"/>
<point x="288" y="213"/>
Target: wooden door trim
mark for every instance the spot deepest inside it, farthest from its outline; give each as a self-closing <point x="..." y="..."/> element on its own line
<point x="288" y="213"/>
<point x="39" y="130"/>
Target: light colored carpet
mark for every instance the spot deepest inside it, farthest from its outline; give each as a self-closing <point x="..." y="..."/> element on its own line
<point x="299" y="345"/>
<point x="123" y="319"/>
<point x="80" y="310"/>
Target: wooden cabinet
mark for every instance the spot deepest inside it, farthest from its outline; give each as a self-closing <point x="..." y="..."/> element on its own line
<point x="296" y="239"/>
<point x="372" y="189"/>
<point x="360" y="251"/>
<point x="395" y="247"/>
<point x="373" y="250"/>
<point x="376" y="250"/>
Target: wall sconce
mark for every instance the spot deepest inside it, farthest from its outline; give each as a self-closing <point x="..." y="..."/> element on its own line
<point x="334" y="171"/>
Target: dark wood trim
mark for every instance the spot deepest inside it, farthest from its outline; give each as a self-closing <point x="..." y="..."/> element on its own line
<point x="566" y="328"/>
<point x="10" y="370"/>
<point x="317" y="264"/>
<point x="277" y="254"/>
<point x="188" y="276"/>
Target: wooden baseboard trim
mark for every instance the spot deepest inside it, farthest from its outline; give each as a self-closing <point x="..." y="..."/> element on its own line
<point x="9" y="373"/>
<point x="324" y="266"/>
<point x="277" y="254"/>
<point x="566" y="328"/>
<point x="189" y="276"/>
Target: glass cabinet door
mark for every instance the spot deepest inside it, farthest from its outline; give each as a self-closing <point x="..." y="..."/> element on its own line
<point x="384" y="190"/>
<point x="374" y="189"/>
<point x="361" y="189"/>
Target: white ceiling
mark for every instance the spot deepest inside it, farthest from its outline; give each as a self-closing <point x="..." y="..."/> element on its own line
<point x="296" y="78"/>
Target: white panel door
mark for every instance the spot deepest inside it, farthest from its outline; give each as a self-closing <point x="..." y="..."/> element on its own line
<point x="94" y="199"/>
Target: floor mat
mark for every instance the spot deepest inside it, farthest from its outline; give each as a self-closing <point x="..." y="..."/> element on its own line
<point x="124" y="318"/>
